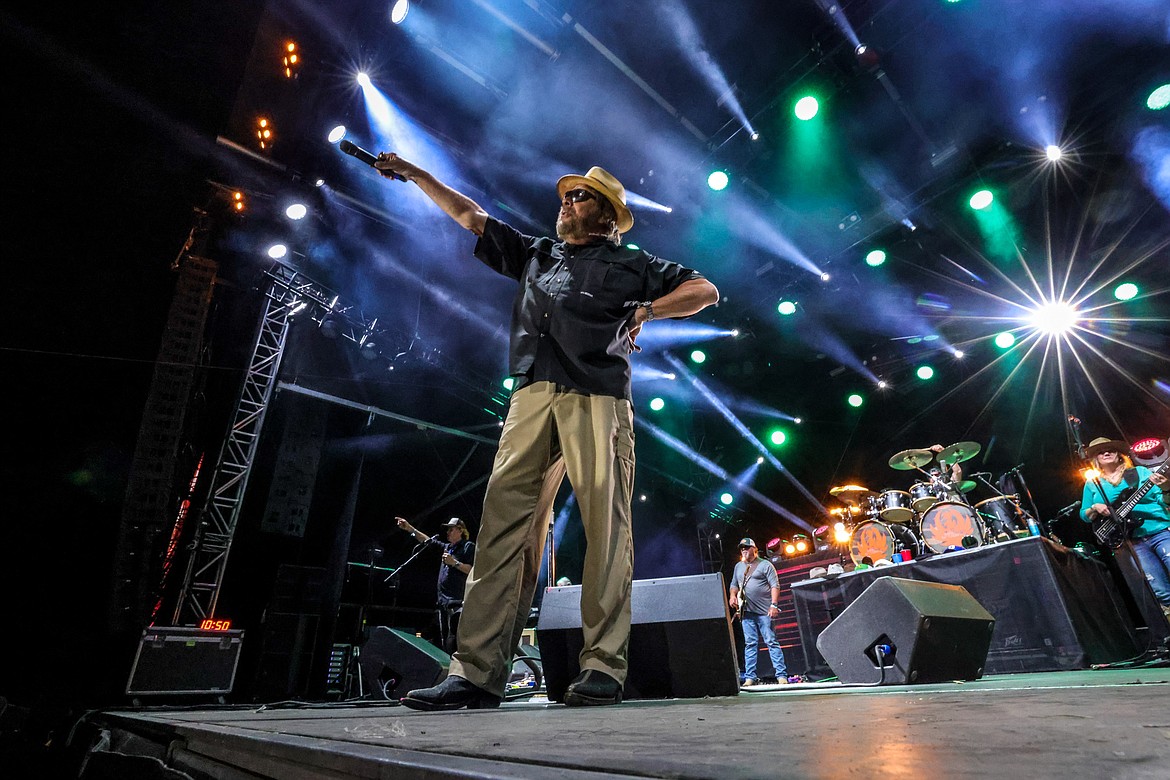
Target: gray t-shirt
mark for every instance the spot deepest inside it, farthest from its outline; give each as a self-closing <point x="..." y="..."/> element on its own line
<point x="758" y="593"/>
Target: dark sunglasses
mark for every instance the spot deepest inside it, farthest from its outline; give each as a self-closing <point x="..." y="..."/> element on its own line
<point x="578" y="196"/>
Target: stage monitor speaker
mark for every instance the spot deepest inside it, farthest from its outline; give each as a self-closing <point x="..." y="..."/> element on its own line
<point x="681" y="645"/>
<point x="393" y="662"/>
<point x="927" y="633"/>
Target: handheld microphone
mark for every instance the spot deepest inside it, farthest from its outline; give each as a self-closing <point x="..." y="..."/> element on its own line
<point x="352" y="149"/>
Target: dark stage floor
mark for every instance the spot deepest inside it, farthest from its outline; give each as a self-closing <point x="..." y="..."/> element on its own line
<point x="1092" y="723"/>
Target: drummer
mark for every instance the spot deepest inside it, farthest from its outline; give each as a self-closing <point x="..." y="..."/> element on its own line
<point x="936" y="468"/>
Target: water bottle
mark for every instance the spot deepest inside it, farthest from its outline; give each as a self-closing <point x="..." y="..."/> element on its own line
<point x="1033" y="526"/>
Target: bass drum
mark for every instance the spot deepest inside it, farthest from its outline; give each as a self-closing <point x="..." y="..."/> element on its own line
<point x="876" y="540"/>
<point x="950" y="524"/>
<point x="1004" y="517"/>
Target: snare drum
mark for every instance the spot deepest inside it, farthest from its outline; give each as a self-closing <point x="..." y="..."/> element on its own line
<point x="1004" y="516"/>
<point x="948" y="524"/>
<point x="894" y="506"/>
<point x="923" y="495"/>
<point x="877" y="540"/>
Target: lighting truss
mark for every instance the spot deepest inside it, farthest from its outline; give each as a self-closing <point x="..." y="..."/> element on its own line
<point x="290" y="293"/>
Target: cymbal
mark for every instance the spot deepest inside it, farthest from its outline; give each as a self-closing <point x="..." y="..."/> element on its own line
<point x="850" y="491"/>
<point x="966" y="486"/>
<point x="911" y="459"/>
<point x="958" y="452"/>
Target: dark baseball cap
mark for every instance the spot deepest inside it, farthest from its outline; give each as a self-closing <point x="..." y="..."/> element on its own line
<point x="747" y="541"/>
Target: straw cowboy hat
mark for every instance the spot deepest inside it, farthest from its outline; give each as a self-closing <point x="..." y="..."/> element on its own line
<point x="605" y="184"/>
<point x="1101" y="443"/>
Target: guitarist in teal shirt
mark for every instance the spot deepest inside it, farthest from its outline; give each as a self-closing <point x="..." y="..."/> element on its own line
<point x="1148" y="517"/>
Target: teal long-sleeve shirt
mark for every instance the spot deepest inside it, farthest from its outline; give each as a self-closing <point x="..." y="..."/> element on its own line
<point x="1151" y="509"/>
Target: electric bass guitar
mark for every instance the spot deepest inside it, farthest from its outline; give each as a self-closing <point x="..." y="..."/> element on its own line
<point x="1113" y="529"/>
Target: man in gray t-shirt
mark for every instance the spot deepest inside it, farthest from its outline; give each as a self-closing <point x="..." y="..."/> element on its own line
<point x="755" y="595"/>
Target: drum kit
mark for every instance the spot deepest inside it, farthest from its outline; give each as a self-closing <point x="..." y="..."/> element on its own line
<point x="934" y="515"/>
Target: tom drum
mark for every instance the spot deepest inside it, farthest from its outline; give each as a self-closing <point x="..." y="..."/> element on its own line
<point x="894" y="506"/>
<point x="1005" y="516"/>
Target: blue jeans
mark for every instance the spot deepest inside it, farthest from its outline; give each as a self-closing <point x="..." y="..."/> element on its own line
<point x="755" y="626"/>
<point x="1153" y="553"/>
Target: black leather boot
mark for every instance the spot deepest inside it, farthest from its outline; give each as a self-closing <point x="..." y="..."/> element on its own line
<point x="593" y="689"/>
<point x="453" y="693"/>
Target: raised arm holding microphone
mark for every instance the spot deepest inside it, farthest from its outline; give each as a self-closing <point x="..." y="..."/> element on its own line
<point x="583" y="298"/>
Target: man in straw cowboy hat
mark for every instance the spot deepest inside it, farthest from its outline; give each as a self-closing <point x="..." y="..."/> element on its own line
<point x="1151" y="539"/>
<point x="581" y="303"/>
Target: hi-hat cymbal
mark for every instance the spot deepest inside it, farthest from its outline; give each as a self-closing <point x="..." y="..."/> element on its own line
<point x="958" y="452"/>
<point x="911" y="459"/>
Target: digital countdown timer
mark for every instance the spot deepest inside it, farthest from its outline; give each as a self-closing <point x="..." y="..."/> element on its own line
<point x="215" y="625"/>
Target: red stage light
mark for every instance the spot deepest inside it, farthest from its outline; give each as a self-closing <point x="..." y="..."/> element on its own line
<point x="1149" y="448"/>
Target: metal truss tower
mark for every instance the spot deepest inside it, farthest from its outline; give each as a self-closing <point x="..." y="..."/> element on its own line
<point x="290" y="294"/>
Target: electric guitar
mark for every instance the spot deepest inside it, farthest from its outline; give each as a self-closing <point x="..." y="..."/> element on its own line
<point x="741" y="597"/>
<point x="1113" y="529"/>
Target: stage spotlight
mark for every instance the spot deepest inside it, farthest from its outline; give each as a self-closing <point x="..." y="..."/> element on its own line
<point x="291" y="60"/>
<point x="786" y="307"/>
<point x="760" y="461"/>
<point x="726" y="499"/>
<point x="825" y="277"/>
<point x="1125" y="291"/>
<point x="772" y="545"/>
<point x="1090" y="475"/>
<point x="981" y="200"/>
<point x="698" y="356"/>
<point x="329" y="327"/>
<point x="277" y="251"/>
<point x="958" y="353"/>
<point x="1005" y="340"/>
<point x="840" y="533"/>
<point x="882" y="384"/>
<point x="1053" y="152"/>
<point x="755" y="136"/>
<point x="1148" y="452"/>
<point x="925" y="372"/>
<point x="296" y="211"/>
<point x="363" y="80"/>
<point x="508" y="383"/>
<point x="797" y="420"/>
<point x="855" y="400"/>
<point x="801" y="543"/>
<point x="1054" y="318"/>
<point x="777" y="437"/>
<point x="336" y="134"/>
<point x="806" y="108"/>
<point x="718" y="180"/>
<point x="789" y="548"/>
<point x="264" y="133"/>
<point x="399" y="10"/>
<point x="657" y="404"/>
<point x="875" y="258"/>
<point x="1159" y="98"/>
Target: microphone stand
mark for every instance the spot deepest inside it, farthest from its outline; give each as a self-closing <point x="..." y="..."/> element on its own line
<point x="419" y="550"/>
